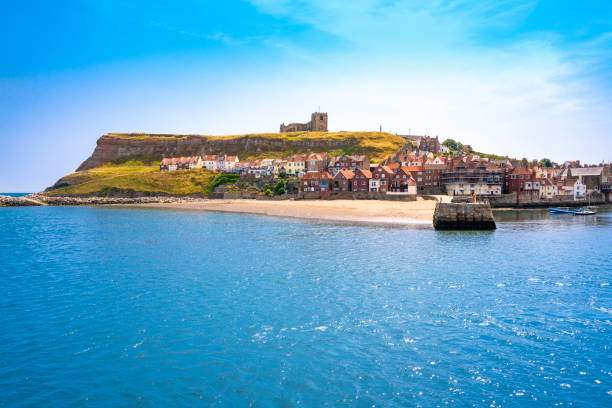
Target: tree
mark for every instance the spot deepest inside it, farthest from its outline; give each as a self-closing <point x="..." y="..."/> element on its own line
<point x="279" y="187"/>
<point x="453" y="145"/>
<point x="546" y="162"/>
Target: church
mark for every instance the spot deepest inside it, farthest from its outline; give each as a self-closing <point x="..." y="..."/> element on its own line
<point x="318" y="123"/>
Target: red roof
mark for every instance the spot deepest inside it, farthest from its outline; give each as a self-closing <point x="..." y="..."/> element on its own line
<point x="348" y="174"/>
<point x="316" y="175"/>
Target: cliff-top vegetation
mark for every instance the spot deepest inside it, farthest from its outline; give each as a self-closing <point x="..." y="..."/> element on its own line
<point x="132" y="177"/>
<point x="377" y="145"/>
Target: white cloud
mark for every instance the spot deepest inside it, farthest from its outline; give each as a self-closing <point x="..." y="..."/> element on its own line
<point x="425" y="68"/>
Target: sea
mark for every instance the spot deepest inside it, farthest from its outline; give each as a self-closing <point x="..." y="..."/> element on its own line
<point x="109" y="307"/>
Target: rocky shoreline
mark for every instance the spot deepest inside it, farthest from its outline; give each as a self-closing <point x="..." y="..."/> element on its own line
<point x="41" y="199"/>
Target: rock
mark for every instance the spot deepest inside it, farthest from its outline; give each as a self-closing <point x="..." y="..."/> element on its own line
<point x="23" y="201"/>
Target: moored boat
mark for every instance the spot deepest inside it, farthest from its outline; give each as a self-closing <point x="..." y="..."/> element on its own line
<point x="562" y="210"/>
<point x="584" y="211"/>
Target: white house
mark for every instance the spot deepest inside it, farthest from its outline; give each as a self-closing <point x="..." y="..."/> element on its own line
<point x="228" y="163"/>
<point x="574" y="187"/>
<point x="374" y="185"/>
<point x="210" y="162"/>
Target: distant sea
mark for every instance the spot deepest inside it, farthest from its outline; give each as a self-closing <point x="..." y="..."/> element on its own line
<point x="14" y="194"/>
<point x="146" y="307"/>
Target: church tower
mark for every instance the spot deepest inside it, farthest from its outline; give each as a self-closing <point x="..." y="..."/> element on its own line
<point x="318" y="122"/>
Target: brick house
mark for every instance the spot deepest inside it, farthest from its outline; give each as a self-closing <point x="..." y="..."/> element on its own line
<point x="317" y="162"/>
<point x="403" y="182"/>
<point x="418" y="174"/>
<point x="316" y="181"/>
<point x="351" y="163"/>
<point x="517" y="179"/>
<point x="361" y="181"/>
<point x="409" y="160"/>
<point x="343" y="181"/>
<point x="432" y="173"/>
<point x="429" y="144"/>
<point x="381" y="176"/>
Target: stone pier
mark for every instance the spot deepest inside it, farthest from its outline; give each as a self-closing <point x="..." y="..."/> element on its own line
<point x="463" y="216"/>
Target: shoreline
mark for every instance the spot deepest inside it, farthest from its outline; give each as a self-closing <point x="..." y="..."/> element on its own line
<point x="409" y="214"/>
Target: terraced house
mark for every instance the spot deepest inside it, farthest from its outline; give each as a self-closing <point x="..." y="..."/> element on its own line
<point x="180" y="163"/>
<point x="361" y="181"/>
<point x="316" y="181"/>
<point x="343" y="181"/>
<point x="381" y="178"/>
<point x="351" y="163"/>
<point x="403" y="182"/>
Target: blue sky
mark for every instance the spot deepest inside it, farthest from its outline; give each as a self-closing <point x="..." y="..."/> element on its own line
<point x="525" y="78"/>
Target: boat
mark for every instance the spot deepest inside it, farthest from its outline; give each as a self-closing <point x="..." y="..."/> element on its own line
<point x="562" y="210"/>
<point x="584" y="211"/>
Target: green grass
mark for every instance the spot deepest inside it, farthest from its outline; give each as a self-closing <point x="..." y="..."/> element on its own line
<point x="377" y="145"/>
<point x="134" y="176"/>
<point x="140" y="174"/>
<point x="224" y="179"/>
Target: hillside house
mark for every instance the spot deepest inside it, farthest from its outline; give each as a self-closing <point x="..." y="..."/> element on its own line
<point x="180" y="163"/>
<point x="296" y="164"/>
<point x="351" y="163"/>
<point x="317" y="162"/>
<point x="227" y="163"/>
<point x="210" y="162"/>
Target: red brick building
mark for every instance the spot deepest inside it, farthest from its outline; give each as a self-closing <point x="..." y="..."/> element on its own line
<point x="315" y="181"/>
<point x="361" y="181"/>
<point x="383" y="174"/>
<point x="317" y="162"/>
<point x="429" y="144"/>
<point x="343" y="181"/>
<point x="348" y="163"/>
<point x="401" y="181"/>
<point x="432" y="174"/>
<point x="418" y="174"/>
<point x="517" y="179"/>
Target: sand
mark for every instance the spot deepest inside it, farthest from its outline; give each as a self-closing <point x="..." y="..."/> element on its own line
<point x="416" y="213"/>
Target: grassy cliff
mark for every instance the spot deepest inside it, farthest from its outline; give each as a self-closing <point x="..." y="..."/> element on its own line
<point x="117" y="147"/>
<point x="128" y="163"/>
<point x="134" y="177"/>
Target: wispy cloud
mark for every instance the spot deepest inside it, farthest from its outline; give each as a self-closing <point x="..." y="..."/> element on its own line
<point x="461" y="68"/>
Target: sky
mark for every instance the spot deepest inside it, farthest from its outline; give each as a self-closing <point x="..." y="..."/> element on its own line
<point x="520" y="78"/>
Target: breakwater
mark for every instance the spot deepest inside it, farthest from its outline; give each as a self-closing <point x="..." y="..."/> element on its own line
<point x="463" y="216"/>
<point x="42" y="199"/>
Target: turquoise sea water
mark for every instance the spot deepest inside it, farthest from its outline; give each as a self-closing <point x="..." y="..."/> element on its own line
<point x="14" y="194"/>
<point x="139" y="307"/>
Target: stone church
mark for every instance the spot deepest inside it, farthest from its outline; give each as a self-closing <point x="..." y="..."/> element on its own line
<point x="318" y="123"/>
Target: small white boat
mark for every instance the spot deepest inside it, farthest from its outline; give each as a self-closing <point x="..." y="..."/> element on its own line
<point x="584" y="211"/>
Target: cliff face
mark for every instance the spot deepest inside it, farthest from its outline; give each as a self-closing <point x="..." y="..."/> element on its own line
<point x="121" y="146"/>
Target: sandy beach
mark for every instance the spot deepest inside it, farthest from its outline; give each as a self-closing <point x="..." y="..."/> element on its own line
<point x="417" y="213"/>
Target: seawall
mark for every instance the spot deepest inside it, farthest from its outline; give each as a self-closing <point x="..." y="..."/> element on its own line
<point x="463" y="216"/>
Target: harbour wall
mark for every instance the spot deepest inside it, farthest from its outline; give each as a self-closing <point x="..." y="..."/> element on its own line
<point x="463" y="216"/>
